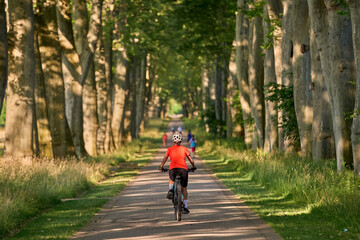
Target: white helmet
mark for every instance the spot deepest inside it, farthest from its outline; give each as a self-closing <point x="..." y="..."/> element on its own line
<point x="177" y="138"/>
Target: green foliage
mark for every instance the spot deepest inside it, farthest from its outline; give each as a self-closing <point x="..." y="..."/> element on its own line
<point x="352" y="114"/>
<point x="284" y="97"/>
<point x="254" y="9"/>
<point x="237" y="105"/>
<point x="344" y="7"/>
<point x="271" y="37"/>
<point x="175" y="107"/>
<point x="3" y="115"/>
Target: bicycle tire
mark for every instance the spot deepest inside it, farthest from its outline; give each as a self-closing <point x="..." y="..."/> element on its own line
<point x="179" y="201"/>
<point x="174" y="200"/>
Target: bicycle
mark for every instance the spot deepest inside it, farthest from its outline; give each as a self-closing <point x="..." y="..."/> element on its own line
<point x="177" y="199"/>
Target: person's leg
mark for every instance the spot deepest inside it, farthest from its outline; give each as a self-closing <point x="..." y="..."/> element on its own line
<point x="184" y="192"/>
<point x="171" y="184"/>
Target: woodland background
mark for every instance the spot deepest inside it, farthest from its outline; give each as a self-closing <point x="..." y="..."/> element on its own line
<point x="80" y="77"/>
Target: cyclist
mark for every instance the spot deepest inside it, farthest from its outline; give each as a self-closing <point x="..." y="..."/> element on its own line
<point x="178" y="155"/>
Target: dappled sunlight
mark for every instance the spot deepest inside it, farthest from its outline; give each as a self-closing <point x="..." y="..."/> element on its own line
<point x="141" y="210"/>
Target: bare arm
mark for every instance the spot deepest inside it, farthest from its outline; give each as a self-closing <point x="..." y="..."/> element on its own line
<point x="191" y="161"/>
<point x="163" y="161"/>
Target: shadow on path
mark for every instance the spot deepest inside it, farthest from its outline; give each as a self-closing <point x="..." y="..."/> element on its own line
<point x="141" y="210"/>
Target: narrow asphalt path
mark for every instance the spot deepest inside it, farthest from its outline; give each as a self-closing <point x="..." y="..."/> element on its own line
<point x="141" y="210"/>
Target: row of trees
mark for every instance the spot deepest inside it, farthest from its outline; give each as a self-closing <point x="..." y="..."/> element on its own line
<point x="298" y="75"/>
<point x="313" y="49"/>
<point x="77" y="74"/>
<point x="294" y="64"/>
<point x="83" y="75"/>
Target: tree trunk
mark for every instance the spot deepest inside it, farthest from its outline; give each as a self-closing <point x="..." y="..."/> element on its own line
<point x="242" y="70"/>
<point x="322" y="133"/>
<point x="302" y="76"/>
<point x="140" y="93"/>
<point x="355" y="133"/>
<point x="101" y="96"/>
<point x="20" y="88"/>
<point x="86" y="46"/>
<point x="231" y="88"/>
<point x="129" y="102"/>
<point x="71" y="69"/>
<point x="205" y="95"/>
<point x="333" y="31"/>
<point x="119" y="94"/>
<point x="90" y="113"/>
<point x="49" y="49"/>
<point x="43" y="134"/>
<point x="271" y="123"/>
<point x="256" y="79"/>
<point x="3" y="53"/>
<point x="286" y="62"/>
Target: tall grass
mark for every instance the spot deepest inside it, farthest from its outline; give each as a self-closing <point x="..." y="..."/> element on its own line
<point x="316" y="185"/>
<point x="29" y="186"/>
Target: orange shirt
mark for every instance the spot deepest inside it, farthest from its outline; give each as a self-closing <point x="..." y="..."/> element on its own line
<point x="177" y="156"/>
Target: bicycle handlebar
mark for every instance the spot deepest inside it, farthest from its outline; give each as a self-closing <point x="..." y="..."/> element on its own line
<point x="166" y="169"/>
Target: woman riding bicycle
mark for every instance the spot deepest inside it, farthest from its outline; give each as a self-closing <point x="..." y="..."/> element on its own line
<point x="178" y="155"/>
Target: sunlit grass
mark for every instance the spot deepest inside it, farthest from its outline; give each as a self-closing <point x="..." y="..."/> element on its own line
<point x="299" y="198"/>
<point x="28" y="187"/>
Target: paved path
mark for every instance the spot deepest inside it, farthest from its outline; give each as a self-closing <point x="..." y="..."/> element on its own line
<point x="141" y="210"/>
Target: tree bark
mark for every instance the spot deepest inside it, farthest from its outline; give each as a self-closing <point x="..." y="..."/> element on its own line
<point x="3" y="53"/>
<point x="119" y="94"/>
<point x="90" y="113"/>
<point x="101" y="96"/>
<point x="302" y="75"/>
<point x="242" y="69"/>
<point x="86" y="46"/>
<point x="271" y="119"/>
<point x="20" y="88"/>
<point x="333" y="31"/>
<point x="256" y="79"/>
<point x="140" y="93"/>
<point x="322" y="133"/>
<point x="49" y="49"/>
<point x="71" y="69"/>
<point x="286" y="60"/>
<point x="355" y="133"/>
<point x="129" y="102"/>
<point x="275" y="13"/>
<point x="43" y="135"/>
<point x="205" y="95"/>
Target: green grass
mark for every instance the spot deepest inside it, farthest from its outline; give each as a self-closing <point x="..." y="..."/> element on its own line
<point x="300" y="199"/>
<point x="33" y="188"/>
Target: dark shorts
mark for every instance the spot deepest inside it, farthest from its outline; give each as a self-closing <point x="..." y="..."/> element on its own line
<point x="183" y="175"/>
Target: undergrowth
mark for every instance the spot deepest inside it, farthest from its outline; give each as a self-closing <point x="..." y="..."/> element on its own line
<point x="29" y="186"/>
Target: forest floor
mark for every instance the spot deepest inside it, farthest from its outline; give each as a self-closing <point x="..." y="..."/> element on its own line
<point x="141" y="210"/>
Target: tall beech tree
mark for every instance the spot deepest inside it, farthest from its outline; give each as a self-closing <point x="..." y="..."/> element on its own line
<point x="20" y="87"/>
<point x="50" y="57"/>
<point x="333" y="29"/>
<point x="355" y="130"/>
<point x="242" y="25"/>
<point x="3" y="53"/>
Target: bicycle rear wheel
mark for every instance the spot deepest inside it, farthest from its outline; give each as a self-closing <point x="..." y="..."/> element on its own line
<point x="179" y="202"/>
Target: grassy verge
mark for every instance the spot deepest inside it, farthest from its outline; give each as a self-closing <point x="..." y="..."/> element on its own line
<point x="31" y="187"/>
<point x="300" y="199"/>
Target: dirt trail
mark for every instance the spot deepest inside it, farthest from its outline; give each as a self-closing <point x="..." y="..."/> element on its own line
<point x="141" y="210"/>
